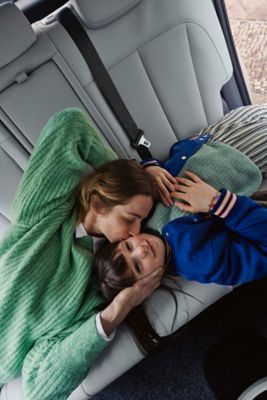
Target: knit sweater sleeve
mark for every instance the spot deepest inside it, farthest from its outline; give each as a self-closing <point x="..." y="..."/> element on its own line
<point x="67" y="145"/>
<point x="54" y="367"/>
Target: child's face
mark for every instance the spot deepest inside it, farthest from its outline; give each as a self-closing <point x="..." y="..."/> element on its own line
<point x="143" y="253"/>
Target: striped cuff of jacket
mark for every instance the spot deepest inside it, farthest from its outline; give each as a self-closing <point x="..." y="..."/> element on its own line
<point x="225" y="203"/>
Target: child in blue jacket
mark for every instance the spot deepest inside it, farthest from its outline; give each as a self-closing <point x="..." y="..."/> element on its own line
<point x="219" y="237"/>
<point x="224" y="241"/>
<point x="223" y="237"/>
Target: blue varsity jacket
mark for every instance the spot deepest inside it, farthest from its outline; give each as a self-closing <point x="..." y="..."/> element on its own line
<point x="227" y="247"/>
<point x="179" y="154"/>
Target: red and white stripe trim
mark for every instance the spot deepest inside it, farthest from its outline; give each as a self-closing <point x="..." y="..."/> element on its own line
<point x="226" y="204"/>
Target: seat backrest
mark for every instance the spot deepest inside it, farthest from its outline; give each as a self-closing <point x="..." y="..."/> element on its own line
<point x="168" y="60"/>
<point x="35" y="83"/>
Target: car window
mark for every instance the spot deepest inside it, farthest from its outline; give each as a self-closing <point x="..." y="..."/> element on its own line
<point x="249" y="28"/>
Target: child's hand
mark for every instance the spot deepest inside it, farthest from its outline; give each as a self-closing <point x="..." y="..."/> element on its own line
<point x="165" y="182"/>
<point x="197" y="194"/>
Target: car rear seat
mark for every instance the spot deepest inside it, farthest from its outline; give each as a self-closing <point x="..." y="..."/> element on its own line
<point x="164" y="63"/>
<point x="169" y="64"/>
<point x="35" y="82"/>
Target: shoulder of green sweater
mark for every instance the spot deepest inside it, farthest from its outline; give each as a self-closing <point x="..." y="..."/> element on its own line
<point x="70" y="113"/>
<point x="66" y="119"/>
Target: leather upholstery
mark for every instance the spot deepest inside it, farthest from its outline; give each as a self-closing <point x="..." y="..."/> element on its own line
<point x="97" y="14"/>
<point x="169" y="62"/>
<point x="15" y="38"/>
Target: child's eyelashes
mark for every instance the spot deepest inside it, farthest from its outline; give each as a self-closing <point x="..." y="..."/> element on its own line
<point x="138" y="268"/>
<point x="128" y="246"/>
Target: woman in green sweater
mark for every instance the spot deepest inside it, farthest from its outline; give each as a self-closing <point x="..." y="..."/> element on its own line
<point x="50" y="329"/>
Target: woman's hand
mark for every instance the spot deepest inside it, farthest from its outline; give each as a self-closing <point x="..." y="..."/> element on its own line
<point x="197" y="194"/>
<point x="132" y="296"/>
<point x="165" y="182"/>
<point x="129" y="298"/>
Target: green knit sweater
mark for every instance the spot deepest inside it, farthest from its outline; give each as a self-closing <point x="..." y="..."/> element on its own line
<point x="47" y="314"/>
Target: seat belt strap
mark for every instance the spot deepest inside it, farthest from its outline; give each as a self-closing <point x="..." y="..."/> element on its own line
<point x="104" y="82"/>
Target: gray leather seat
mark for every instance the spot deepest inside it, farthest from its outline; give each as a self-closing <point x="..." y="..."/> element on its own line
<point x="35" y="82"/>
<point x="168" y="60"/>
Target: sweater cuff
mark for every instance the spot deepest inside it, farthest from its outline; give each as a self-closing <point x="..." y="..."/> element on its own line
<point x="225" y="203"/>
<point x="101" y="331"/>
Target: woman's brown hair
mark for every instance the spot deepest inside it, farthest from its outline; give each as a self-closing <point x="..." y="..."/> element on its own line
<point x="113" y="183"/>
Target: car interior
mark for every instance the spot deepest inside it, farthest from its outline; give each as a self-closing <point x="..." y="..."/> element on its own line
<point x="176" y="71"/>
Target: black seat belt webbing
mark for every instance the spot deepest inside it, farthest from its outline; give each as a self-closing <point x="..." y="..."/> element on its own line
<point x="104" y="81"/>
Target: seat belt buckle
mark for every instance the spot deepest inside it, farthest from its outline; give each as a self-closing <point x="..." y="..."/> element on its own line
<point x="141" y="140"/>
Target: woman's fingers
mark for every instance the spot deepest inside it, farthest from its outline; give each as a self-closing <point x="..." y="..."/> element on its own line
<point x="166" y="199"/>
<point x="145" y="286"/>
<point x="165" y="187"/>
<point x="150" y="282"/>
<point x="164" y="194"/>
<point x="165" y="183"/>
<point x="170" y="177"/>
<point x="188" y="189"/>
<point x="152" y="277"/>
<point x="168" y="183"/>
<point x="134" y="295"/>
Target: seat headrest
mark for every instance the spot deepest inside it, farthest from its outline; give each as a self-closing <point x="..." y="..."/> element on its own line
<point x="16" y="33"/>
<point x="98" y="13"/>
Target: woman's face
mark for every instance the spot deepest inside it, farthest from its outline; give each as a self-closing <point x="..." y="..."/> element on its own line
<point x="143" y="254"/>
<point x="124" y="220"/>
